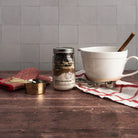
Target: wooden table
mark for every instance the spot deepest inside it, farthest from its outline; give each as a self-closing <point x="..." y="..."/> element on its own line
<point x="69" y="114"/>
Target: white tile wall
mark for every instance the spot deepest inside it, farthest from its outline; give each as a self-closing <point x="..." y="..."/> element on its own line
<point x="11" y="34"/>
<point x="48" y="15"/>
<point x="68" y="34"/>
<point x="44" y="49"/>
<point x="49" y="3"/>
<point x="29" y="2"/>
<point x="30" y="15"/>
<point x="24" y="65"/>
<point x="106" y="15"/>
<point x="30" y="29"/>
<point x="10" y="2"/>
<point x="126" y="14"/>
<point x="26" y="52"/>
<point x="126" y="2"/>
<point x="69" y="15"/>
<point x="49" y="34"/>
<point x="87" y="34"/>
<point x="87" y="15"/>
<point x="0" y="15"/>
<point x="106" y="34"/>
<point x="10" y="52"/>
<point x="30" y="34"/>
<point x="68" y="2"/>
<point x="107" y="2"/>
<point x="87" y="2"/>
<point x="123" y="32"/>
<point x="45" y="66"/>
<point x="132" y="63"/>
<point x="8" y="66"/>
<point x="0" y="36"/>
<point x="11" y="15"/>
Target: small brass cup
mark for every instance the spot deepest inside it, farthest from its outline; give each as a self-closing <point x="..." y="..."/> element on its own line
<point x="35" y="87"/>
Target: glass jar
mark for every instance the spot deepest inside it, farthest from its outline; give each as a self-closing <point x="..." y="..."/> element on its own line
<point x="63" y="68"/>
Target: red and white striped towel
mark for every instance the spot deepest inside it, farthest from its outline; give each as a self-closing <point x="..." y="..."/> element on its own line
<point x="124" y="92"/>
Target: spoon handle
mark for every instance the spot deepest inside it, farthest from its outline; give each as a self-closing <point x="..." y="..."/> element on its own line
<point x="126" y="42"/>
<point x="17" y="80"/>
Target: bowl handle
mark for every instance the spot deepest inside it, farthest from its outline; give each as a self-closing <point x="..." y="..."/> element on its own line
<point x="133" y="73"/>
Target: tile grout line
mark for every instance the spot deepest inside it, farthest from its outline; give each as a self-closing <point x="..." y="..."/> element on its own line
<point x="58" y="24"/>
<point x="39" y="37"/>
<point x="136" y="30"/>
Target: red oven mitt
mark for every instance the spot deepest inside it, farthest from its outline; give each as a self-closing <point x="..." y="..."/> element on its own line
<point x="26" y="74"/>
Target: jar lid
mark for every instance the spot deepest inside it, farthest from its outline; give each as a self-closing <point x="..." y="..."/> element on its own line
<point x="63" y="50"/>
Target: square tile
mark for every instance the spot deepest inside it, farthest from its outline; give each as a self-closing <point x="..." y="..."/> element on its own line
<point x="26" y="53"/>
<point x="46" y="66"/>
<point x="126" y="2"/>
<point x="68" y="15"/>
<point x="106" y="15"/>
<point x="132" y="50"/>
<point x="49" y="3"/>
<point x="126" y="14"/>
<point x="30" y="34"/>
<point x="11" y="15"/>
<point x="0" y="34"/>
<point x="11" y="34"/>
<point x="25" y="65"/>
<point x="10" y="66"/>
<point x="87" y="15"/>
<point x="49" y="34"/>
<point x="107" y="2"/>
<point x="68" y="2"/>
<point x="10" y="2"/>
<point x="87" y="34"/>
<point x="30" y="2"/>
<point x="10" y="52"/>
<point x="48" y="15"/>
<point x="123" y="32"/>
<point x="106" y="34"/>
<point x="137" y="12"/>
<point x="68" y="34"/>
<point x="87" y="2"/>
<point x="0" y="15"/>
<point x="30" y="15"/>
<point x="46" y="52"/>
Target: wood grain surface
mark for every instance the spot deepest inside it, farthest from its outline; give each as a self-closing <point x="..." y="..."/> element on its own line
<point x="64" y="114"/>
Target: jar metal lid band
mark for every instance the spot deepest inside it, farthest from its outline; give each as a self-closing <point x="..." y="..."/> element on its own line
<point x="63" y="50"/>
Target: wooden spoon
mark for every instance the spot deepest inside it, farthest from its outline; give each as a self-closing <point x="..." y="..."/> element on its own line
<point x="17" y="80"/>
<point x="126" y="42"/>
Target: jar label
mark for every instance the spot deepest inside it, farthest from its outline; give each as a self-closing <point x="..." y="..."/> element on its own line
<point x="65" y="79"/>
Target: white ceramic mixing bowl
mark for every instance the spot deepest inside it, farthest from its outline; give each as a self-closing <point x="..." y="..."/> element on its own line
<point x="104" y="63"/>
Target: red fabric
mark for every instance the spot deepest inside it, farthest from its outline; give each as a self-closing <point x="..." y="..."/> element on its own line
<point x="26" y="74"/>
<point x="124" y="92"/>
<point x="43" y="77"/>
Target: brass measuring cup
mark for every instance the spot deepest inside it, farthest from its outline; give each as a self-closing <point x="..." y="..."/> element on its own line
<point x="33" y="86"/>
